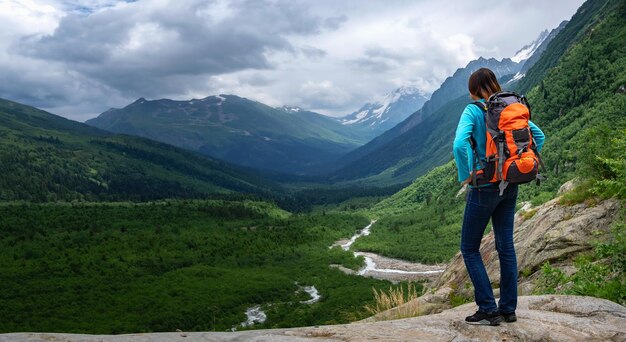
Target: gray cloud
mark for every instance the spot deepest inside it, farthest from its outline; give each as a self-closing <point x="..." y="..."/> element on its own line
<point x="371" y="65"/>
<point x="312" y="52"/>
<point x="256" y="79"/>
<point x="378" y="59"/>
<point x="78" y="57"/>
<point x="167" y="49"/>
<point x="383" y="53"/>
<point x="335" y="22"/>
<point x="323" y="94"/>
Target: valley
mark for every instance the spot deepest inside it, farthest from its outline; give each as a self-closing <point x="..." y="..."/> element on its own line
<point x="225" y="214"/>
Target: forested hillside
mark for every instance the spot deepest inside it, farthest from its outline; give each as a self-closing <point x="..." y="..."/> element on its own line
<point x="586" y="16"/>
<point x="44" y="157"/>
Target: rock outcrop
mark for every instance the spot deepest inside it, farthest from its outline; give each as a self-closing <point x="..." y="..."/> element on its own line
<point x="552" y="233"/>
<point x="540" y="318"/>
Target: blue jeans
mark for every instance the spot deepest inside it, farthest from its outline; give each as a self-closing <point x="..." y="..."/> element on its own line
<point x="484" y="204"/>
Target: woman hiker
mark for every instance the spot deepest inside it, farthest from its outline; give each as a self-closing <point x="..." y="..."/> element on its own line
<point x="484" y="202"/>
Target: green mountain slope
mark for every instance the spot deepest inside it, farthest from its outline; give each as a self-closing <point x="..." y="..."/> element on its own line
<point x="44" y="157"/>
<point x="586" y="16"/>
<point x="320" y="123"/>
<point x="580" y="105"/>
<point x="237" y="130"/>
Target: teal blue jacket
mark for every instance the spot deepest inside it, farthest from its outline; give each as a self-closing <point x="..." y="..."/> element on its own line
<point x="472" y="123"/>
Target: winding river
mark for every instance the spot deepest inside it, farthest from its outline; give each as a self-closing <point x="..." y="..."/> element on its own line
<point x="376" y="266"/>
<point x="381" y="267"/>
<point x="255" y="314"/>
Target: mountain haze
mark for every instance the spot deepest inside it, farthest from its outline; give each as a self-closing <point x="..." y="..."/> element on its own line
<point x="237" y="130"/>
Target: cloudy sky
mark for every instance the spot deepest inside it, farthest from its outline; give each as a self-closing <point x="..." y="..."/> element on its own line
<point x="77" y="58"/>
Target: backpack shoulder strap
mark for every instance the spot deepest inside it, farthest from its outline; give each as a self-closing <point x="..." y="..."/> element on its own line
<point x="481" y="105"/>
<point x="524" y="101"/>
<point x="473" y="143"/>
<point x="483" y="108"/>
<point x="504" y="93"/>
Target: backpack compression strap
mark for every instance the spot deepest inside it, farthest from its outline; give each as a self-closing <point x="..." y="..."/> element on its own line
<point x="540" y="177"/>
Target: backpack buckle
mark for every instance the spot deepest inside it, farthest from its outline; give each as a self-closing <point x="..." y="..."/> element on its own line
<point x="503" y="184"/>
<point x="540" y="178"/>
<point x="522" y="150"/>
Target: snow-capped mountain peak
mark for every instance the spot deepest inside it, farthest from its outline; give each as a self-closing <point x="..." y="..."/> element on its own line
<point x="291" y="109"/>
<point x="528" y="50"/>
<point x="531" y="53"/>
<point x="388" y="110"/>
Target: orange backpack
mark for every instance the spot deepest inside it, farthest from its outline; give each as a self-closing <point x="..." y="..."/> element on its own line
<point x="511" y="155"/>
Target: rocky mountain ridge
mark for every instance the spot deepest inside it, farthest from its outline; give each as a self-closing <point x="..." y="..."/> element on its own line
<point x="529" y="49"/>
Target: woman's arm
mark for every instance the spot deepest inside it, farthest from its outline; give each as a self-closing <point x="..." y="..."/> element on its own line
<point x="537" y="135"/>
<point x="461" y="146"/>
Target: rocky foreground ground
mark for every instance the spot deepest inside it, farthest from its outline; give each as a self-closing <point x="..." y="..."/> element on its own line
<point x="541" y="318"/>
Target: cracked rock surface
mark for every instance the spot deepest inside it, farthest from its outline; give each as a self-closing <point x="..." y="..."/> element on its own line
<point x="540" y="318"/>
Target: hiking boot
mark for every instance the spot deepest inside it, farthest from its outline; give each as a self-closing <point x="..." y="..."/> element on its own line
<point x="481" y="318"/>
<point x="509" y="317"/>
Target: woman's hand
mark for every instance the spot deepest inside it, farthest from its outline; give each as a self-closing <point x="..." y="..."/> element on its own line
<point x="467" y="181"/>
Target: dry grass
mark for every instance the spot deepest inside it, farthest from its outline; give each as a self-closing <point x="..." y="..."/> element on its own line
<point x="404" y="304"/>
<point x="529" y="214"/>
<point x="323" y="333"/>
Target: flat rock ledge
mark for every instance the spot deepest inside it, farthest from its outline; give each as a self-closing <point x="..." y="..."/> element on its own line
<point x="540" y="318"/>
